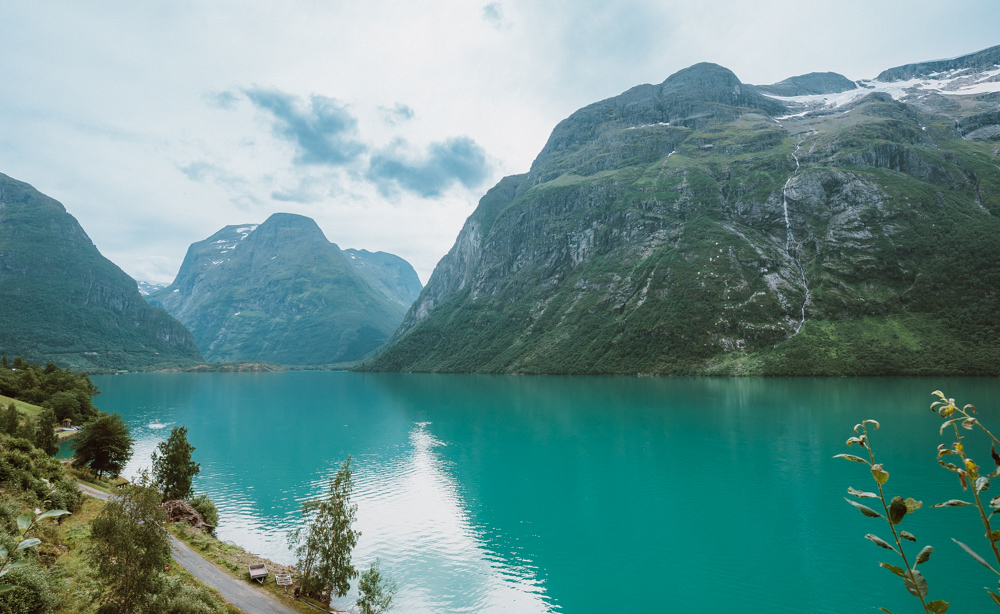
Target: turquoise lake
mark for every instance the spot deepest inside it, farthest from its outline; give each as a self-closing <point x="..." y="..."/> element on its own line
<point x="582" y="494"/>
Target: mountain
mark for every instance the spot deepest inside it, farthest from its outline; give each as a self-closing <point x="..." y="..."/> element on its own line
<point x="810" y="84"/>
<point x="146" y="287"/>
<point x="706" y="226"/>
<point x="281" y="292"/>
<point x="61" y="301"/>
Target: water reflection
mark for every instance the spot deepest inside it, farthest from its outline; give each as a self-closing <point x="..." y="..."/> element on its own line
<point x="413" y="518"/>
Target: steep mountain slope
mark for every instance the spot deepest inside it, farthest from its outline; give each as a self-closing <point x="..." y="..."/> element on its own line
<point x="702" y="226"/>
<point x="61" y="301"/>
<point x="281" y="292"/>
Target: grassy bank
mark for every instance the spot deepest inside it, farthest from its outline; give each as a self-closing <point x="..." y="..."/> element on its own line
<point x="235" y="561"/>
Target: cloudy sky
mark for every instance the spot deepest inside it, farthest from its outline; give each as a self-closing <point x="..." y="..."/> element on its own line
<point x="157" y="123"/>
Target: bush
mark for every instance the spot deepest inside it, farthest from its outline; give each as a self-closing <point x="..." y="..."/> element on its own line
<point x="204" y="506"/>
<point x="33" y="594"/>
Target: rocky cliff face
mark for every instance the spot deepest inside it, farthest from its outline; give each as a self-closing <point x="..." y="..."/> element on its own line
<point x="701" y="226"/>
<point x="61" y="301"/>
<point x="281" y="292"/>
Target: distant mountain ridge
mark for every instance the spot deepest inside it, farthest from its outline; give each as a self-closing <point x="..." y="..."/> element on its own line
<point x="61" y="301"/>
<point x="281" y="292"/>
<point x="706" y="226"/>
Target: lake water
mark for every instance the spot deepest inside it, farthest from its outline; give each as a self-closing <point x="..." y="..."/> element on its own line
<point x="581" y="494"/>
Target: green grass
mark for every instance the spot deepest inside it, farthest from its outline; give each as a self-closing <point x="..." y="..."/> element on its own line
<point x="25" y="408"/>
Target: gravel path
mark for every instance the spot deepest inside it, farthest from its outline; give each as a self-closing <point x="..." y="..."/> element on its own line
<point x="241" y="594"/>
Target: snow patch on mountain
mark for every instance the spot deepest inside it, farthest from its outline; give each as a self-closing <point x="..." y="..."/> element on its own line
<point x="948" y="83"/>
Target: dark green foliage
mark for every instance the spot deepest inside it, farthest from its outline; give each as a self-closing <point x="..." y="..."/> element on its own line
<point x="64" y="391"/>
<point x="10" y="419"/>
<point x="173" y="469"/>
<point x="45" y="435"/>
<point x="33" y="477"/>
<point x="33" y="594"/>
<point x="104" y="445"/>
<point x="204" y="506"/>
<point x="324" y="546"/>
<point x="129" y="549"/>
<point x="375" y="591"/>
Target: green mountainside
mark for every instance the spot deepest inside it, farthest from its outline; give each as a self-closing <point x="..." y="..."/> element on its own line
<point x="703" y="227"/>
<point x="281" y="292"/>
<point x="61" y="301"/>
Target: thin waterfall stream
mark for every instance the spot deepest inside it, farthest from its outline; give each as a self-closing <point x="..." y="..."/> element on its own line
<point x="792" y="246"/>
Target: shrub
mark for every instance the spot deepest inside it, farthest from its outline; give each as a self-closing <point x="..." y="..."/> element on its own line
<point x="33" y="594"/>
<point x="204" y="506"/>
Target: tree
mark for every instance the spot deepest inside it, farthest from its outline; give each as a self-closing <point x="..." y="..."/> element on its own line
<point x="10" y="419"/>
<point x="66" y="405"/>
<point x="324" y="546"/>
<point x="173" y="469"/>
<point x="375" y="591"/>
<point x="104" y="444"/>
<point x="130" y="549"/>
<point x="45" y="435"/>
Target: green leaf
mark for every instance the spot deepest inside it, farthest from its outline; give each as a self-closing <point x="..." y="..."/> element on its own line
<point x="899" y="571"/>
<point x="878" y="541"/>
<point x="948" y="466"/>
<point x="851" y="457"/>
<point x="952" y="503"/>
<point x="918" y="585"/>
<point x="881" y="475"/>
<point x="913" y="505"/>
<point x="23" y="522"/>
<point x="938" y="606"/>
<point x="52" y="514"/>
<point x="28" y="543"/>
<point x="924" y="555"/>
<point x="897" y="510"/>
<point x="995" y="536"/>
<point x="867" y="511"/>
<point x="6" y="588"/>
<point x="907" y="535"/>
<point x="971" y="553"/>
<point x="946" y="423"/>
<point x="3" y="552"/>
<point x="861" y="494"/>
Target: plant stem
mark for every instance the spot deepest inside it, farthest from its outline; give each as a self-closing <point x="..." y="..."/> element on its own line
<point x="892" y="527"/>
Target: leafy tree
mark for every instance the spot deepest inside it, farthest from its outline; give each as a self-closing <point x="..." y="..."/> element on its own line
<point x="375" y="591"/>
<point x="324" y="546"/>
<point x="104" y="444"/>
<point x="65" y="404"/>
<point x="45" y="435"/>
<point x="173" y="468"/>
<point x="10" y="419"/>
<point x="130" y="549"/>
